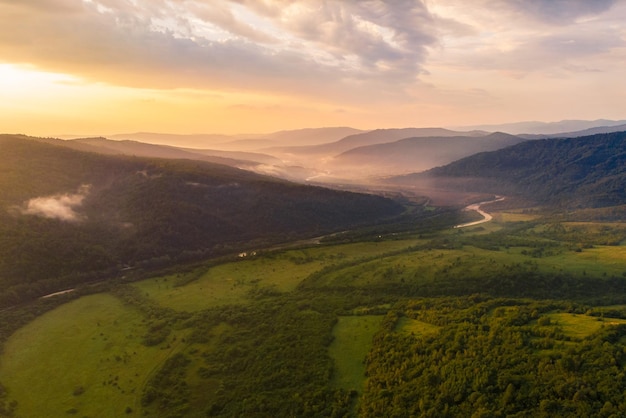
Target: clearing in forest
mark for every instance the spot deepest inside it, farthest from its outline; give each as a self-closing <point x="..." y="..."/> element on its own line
<point x="353" y="340"/>
<point x="581" y="326"/>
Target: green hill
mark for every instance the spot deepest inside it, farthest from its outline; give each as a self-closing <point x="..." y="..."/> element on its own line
<point x="588" y="171"/>
<point x="68" y="216"/>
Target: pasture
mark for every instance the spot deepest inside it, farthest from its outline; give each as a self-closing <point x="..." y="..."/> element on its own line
<point x="84" y="358"/>
<point x="234" y="282"/>
<point x="581" y="326"/>
<point x="416" y="328"/>
<point x="352" y="341"/>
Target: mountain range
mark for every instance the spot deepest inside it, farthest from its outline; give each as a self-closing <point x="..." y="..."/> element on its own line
<point x="331" y="156"/>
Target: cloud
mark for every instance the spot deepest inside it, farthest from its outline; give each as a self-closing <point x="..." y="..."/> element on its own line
<point x="365" y="56"/>
<point x="556" y="11"/>
<point x="60" y="206"/>
<point x="291" y="47"/>
<point x="522" y="37"/>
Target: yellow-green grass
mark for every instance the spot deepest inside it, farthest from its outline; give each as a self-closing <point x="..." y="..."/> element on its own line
<point x="479" y="229"/>
<point x="353" y="340"/>
<point x="414" y="327"/>
<point x="427" y="265"/>
<point x="85" y="358"/>
<point x="581" y="326"/>
<point x="228" y="283"/>
<point x="513" y="217"/>
<point x="392" y="269"/>
<point x="231" y="283"/>
<point x="421" y="265"/>
<point x="595" y="225"/>
<point x="366" y="249"/>
<point x="595" y="262"/>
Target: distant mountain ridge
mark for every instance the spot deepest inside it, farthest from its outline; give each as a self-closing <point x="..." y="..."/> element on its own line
<point x="575" y="134"/>
<point x="333" y="156"/>
<point x="546" y="128"/>
<point x="417" y="154"/>
<point x="306" y="136"/>
<point x="141" y="149"/>
<point x="378" y="136"/>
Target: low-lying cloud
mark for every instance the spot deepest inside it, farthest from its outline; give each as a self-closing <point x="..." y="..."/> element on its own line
<point x="59" y="206"/>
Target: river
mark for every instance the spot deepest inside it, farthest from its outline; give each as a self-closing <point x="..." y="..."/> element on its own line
<point x="476" y="207"/>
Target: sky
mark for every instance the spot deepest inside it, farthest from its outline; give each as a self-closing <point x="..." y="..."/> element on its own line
<point x="99" y="67"/>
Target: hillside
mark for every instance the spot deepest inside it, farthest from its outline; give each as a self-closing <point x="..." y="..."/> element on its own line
<point x="586" y="171"/>
<point x="69" y="216"/>
<point x="416" y="154"/>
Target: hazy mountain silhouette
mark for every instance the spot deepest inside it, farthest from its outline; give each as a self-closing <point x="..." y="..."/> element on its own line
<point x="417" y="154"/>
<point x="546" y="128"/>
<point x="576" y="134"/>
<point x="378" y="136"/>
<point x="238" y="142"/>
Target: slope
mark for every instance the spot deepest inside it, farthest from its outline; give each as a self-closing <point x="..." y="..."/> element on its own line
<point x="69" y="216"/>
<point x="585" y="172"/>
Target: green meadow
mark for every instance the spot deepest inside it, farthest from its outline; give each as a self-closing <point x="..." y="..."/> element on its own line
<point x="581" y="326"/>
<point x="352" y="341"/>
<point x="85" y="358"/>
<point x="415" y="328"/>
<point x="234" y="282"/>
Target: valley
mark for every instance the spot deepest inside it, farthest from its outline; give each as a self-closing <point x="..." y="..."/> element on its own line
<point x="312" y="209"/>
<point x="492" y="286"/>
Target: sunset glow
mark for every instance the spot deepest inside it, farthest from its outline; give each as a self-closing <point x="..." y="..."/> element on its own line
<point x="99" y="67"/>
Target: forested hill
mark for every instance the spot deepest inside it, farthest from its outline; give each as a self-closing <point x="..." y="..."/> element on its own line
<point x="68" y="216"/>
<point x="586" y="171"/>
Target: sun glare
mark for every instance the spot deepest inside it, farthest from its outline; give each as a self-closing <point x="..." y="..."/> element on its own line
<point x="24" y="79"/>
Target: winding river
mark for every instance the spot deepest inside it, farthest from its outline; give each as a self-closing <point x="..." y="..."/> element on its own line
<point x="476" y="206"/>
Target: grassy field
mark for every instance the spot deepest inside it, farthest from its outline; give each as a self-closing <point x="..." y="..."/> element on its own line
<point x="581" y="326"/>
<point x="231" y="283"/>
<point x="599" y="261"/>
<point x="415" y="327"/>
<point x="353" y="340"/>
<point x="84" y="358"/>
<point x="513" y="216"/>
